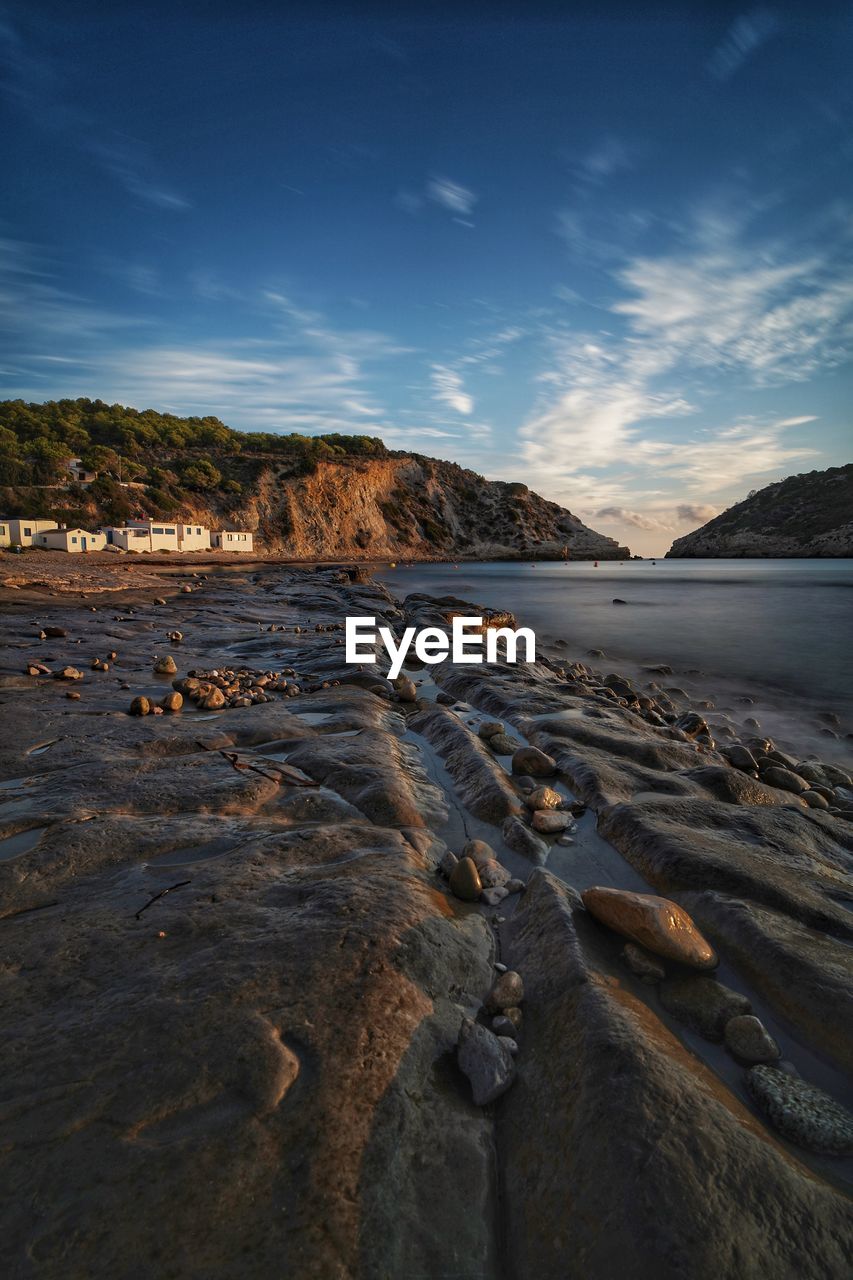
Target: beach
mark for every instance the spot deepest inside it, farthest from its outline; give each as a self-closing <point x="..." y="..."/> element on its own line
<point x="241" y="964"/>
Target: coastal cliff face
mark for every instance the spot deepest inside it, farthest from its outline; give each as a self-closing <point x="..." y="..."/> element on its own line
<point x="805" y="515"/>
<point x="415" y="508"/>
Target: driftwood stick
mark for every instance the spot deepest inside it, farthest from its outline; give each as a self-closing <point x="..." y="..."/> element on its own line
<point x="162" y="894"/>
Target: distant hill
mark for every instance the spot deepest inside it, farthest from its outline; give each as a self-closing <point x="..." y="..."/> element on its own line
<point x="805" y="515"/>
<point x="307" y="497"/>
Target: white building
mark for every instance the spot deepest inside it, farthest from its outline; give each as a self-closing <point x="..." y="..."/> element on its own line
<point x="5" y="534"/>
<point x="233" y="540"/>
<point x="74" y="540"/>
<point x="127" y="539"/>
<point x="194" y="537"/>
<point x="158" y="535"/>
<point x="22" y="533"/>
<point x="78" y="472"/>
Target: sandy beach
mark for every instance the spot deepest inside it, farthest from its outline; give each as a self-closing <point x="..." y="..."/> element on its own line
<point x="242" y="955"/>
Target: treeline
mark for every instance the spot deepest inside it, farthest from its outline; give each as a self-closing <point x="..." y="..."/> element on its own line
<point x="164" y="456"/>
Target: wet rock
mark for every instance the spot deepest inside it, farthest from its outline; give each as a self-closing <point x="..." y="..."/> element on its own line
<point x="165" y="666"/>
<point x="175" y="636"/>
<point x="445" y="699"/>
<point x="493" y="897"/>
<point x="502" y="744"/>
<point x="815" y="800"/>
<point x="800" y="1111"/>
<point x="492" y="874"/>
<point x="465" y="880"/>
<point x="522" y="840"/>
<point x="550" y="822"/>
<point x="515" y="886"/>
<point x="486" y="1062"/>
<point x="173" y="701"/>
<point x="784" y="779"/>
<point x="507" y="992"/>
<point x="543" y="798"/>
<point x="68" y="673"/>
<point x="73" y="695"/>
<point x="838" y="777"/>
<point x="702" y="1004"/>
<point x="748" y="1039"/>
<point x="656" y="923"/>
<point x="448" y="864"/>
<point x="532" y="761"/>
<point x="489" y="728"/>
<point x="54" y="633"/>
<point x="741" y="758"/>
<point x="406" y="689"/>
<point x="504" y="1026"/>
<point x="140" y="706"/>
<point x="212" y="699"/>
<point x="509" y="1044"/>
<point x="478" y="851"/>
<point x="691" y="723"/>
<point x="642" y="964"/>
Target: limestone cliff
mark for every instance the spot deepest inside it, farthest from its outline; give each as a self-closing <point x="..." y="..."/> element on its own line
<point x="805" y="515"/>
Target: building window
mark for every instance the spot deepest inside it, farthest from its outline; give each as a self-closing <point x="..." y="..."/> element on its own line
<point x="73" y="539"/>
<point x="28" y="533"/>
<point x="198" y="531"/>
<point x="160" y="531"/>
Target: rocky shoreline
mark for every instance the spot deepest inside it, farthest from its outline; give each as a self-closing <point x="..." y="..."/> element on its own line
<point x="500" y="971"/>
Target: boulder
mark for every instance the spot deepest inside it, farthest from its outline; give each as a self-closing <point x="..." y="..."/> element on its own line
<point x="656" y="923"/>
<point x="784" y="779"/>
<point x="702" y="1004"/>
<point x="549" y="822"/>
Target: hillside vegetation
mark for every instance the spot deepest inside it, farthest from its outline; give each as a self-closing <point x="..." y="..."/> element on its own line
<point x="804" y="515"/>
<point x="307" y="496"/>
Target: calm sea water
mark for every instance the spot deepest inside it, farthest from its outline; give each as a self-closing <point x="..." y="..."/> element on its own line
<point x="778" y="630"/>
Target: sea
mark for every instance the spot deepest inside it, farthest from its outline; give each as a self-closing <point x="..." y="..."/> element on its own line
<point x="777" y="632"/>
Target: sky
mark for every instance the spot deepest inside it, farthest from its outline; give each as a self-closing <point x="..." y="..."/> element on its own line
<point x="604" y="250"/>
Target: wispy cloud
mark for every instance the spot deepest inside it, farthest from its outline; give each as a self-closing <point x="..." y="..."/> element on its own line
<point x="744" y="37"/>
<point x="449" y="390"/>
<point x="452" y="195"/>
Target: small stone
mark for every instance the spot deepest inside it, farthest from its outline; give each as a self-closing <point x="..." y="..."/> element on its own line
<point x="175" y="636"/>
<point x="478" y="851"/>
<point x="173" y="701"/>
<point x="800" y="1111"/>
<point x="165" y="666"/>
<point x="406" y="689"/>
<point x="702" y="1004"/>
<point x="814" y="800"/>
<point x="533" y="761"/>
<point x="448" y="864"/>
<point x="522" y="840"/>
<point x="507" y="992"/>
<point x="73" y="695"/>
<point x="140" y="706"/>
<point x="543" y="798"/>
<point x="656" y="923"/>
<point x="493" y="875"/>
<point x="486" y="1062"/>
<point x="691" y="723"/>
<point x="784" y="779"/>
<point x="515" y="1016"/>
<point x="465" y="880"/>
<point x="515" y="886"/>
<point x="741" y="758"/>
<point x="509" y="1043"/>
<point x="502" y="744"/>
<point x="493" y="897"/>
<point x="212" y="700"/>
<point x="550" y="822"/>
<point x="156" y="711"/>
<point x="503" y="1026"/>
<point x="642" y="964"/>
<point x="499" y="968"/>
<point x="55" y="633"/>
<point x="748" y="1039"/>
<point x="68" y="673"/>
<point x="489" y="728"/>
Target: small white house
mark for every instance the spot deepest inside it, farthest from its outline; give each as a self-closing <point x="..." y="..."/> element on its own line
<point x="74" y="540"/>
<point x="5" y="534"/>
<point x="127" y="539"/>
<point x="23" y="533"/>
<point x="163" y="535"/>
<point x="233" y="540"/>
<point x="79" y="473"/>
<point x="193" y="537"/>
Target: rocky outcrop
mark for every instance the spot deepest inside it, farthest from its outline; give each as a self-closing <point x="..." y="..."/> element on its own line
<point x="805" y="515"/>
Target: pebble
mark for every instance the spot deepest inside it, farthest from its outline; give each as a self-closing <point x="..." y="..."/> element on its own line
<point x="703" y="1004"/>
<point x="68" y="673"/>
<point x="543" y="798"/>
<point x="784" y="779"/>
<point x="493" y="897"/>
<point x="493" y="875"/>
<point x="173" y="701"/>
<point x="140" y="706"/>
<point x="478" y="851"/>
<point x="73" y="695"/>
<point x="515" y="886"/>
<point x="642" y="964"/>
<point x="509" y="1043"/>
<point x="800" y="1111"/>
<point x="656" y="923"/>
<point x="489" y="728"/>
<point x="532" y="761"/>
<point x="503" y="1026"/>
<point x="502" y="744"/>
<point x="748" y="1039"/>
<point x="465" y="880"/>
<point x="406" y="689"/>
<point x="500" y="968"/>
<point x="550" y="822"/>
<point x="165" y="666"/>
<point x="486" y="1062"/>
<point x="507" y="992"/>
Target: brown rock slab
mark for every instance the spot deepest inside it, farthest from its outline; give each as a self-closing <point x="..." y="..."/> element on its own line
<point x="656" y="923"/>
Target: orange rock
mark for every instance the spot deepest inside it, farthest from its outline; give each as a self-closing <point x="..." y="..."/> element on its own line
<point x="656" y="923"/>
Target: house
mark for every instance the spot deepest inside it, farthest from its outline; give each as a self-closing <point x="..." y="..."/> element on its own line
<point x="233" y="540"/>
<point x="193" y="537"/>
<point x="78" y="472"/>
<point x="5" y="534"/>
<point x="22" y="533"/>
<point x="127" y="538"/>
<point x="74" y="540"/>
<point x="158" y="535"/>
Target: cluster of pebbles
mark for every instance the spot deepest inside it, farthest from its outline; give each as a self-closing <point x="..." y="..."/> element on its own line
<point x="486" y="1054"/>
<point x="222" y="688"/>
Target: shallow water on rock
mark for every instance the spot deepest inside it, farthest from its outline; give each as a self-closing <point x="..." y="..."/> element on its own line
<point x="22" y="842"/>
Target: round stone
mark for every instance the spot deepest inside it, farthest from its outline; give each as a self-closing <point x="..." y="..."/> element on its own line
<point x="748" y="1039"/>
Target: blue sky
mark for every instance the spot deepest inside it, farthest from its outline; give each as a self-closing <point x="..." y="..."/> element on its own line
<point x="610" y="257"/>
